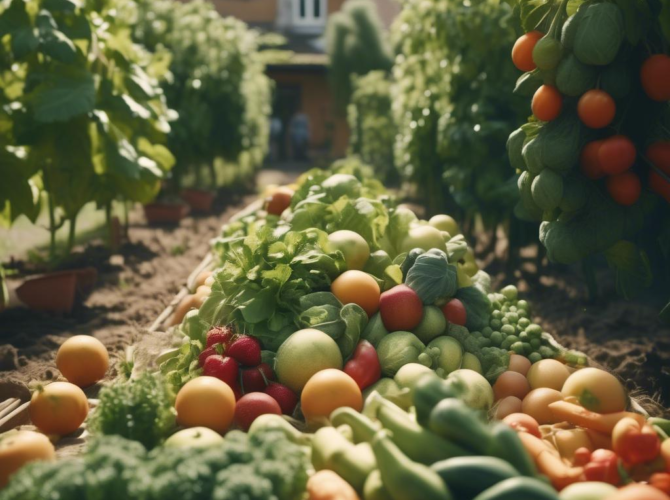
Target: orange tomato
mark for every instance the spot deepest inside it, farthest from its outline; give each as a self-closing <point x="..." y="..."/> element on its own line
<point x="205" y="402"/>
<point x="83" y="360"/>
<point x="522" y="52"/>
<point x="18" y="449"/>
<point x="359" y="288"/>
<point x="328" y="390"/>
<point x="279" y="200"/>
<point x="58" y="408"/>
<point x="588" y="160"/>
<point x="547" y="103"/>
<point x="616" y="154"/>
<point x="596" y="108"/>
<point x="655" y="77"/>
<point x="624" y="188"/>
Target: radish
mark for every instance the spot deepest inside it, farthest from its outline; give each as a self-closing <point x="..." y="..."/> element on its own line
<point x="257" y="378"/>
<point x="286" y="398"/>
<point x="206" y="353"/>
<point x="223" y="368"/>
<point x="252" y="406"/>
<point x="219" y="335"/>
<point x="245" y="350"/>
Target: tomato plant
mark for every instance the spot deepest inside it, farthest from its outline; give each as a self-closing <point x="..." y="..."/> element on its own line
<point x="596" y="108"/>
<point x="522" y="51"/>
<point x="616" y="154"/>
<point x="547" y="103"/>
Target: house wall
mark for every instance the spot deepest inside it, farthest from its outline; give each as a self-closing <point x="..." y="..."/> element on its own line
<point x="250" y="11"/>
<point x="328" y="131"/>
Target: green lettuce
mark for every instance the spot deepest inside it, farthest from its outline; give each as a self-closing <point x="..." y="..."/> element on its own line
<point x="432" y="277"/>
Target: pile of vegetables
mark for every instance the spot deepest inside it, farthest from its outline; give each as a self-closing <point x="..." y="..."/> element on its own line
<point x="593" y="159"/>
<point x="365" y="355"/>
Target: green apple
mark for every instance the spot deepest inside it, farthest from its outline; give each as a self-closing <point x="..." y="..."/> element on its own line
<point x="432" y="324"/>
<point x="409" y="375"/>
<point x="195" y="437"/>
<point x="445" y="223"/>
<point x="354" y="247"/>
<point x="471" y="362"/>
<point x="451" y="353"/>
<point x="424" y="237"/>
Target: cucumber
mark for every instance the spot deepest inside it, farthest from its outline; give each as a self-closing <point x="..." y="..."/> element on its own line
<point x="467" y="477"/>
<point x="519" y="488"/>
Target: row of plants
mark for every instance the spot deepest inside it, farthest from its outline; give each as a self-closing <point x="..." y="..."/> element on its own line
<point x="347" y="350"/>
<point x="100" y="100"/>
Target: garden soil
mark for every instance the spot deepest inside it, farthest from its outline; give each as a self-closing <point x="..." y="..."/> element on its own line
<point x="622" y="336"/>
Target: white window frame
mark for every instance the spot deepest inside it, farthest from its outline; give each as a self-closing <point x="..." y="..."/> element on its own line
<point x="309" y="22"/>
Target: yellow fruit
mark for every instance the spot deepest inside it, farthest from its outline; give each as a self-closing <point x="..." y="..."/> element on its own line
<point x="328" y="390"/>
<point x="83" y="360"/>
<point x="205" y="402"/>
<point x="58" y="408"/>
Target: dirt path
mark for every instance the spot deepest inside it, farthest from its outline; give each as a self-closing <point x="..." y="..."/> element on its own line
<point x="133" y="289"/>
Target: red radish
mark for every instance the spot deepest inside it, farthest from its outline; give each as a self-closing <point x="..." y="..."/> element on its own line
<point x="245" y="350"/>
<point x="454" y="311"/>
<point x="251" y="406"/>
<point x="400" y="308"/>
<point x="206" y="353"/>
<point x="286" y="398"/>
<point x="219" y="335"/>
<point x="257" y="378"/>
<point x="223" y="368"/>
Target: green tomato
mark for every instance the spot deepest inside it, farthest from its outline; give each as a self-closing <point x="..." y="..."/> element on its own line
<point x="354" y="247"/>
<point x="445" y="223"/>
<point x="547" y="53"/>
<point x="424" y="237"/>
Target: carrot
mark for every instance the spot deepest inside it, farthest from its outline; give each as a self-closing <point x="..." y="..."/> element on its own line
<point x="575" y="414"/>
<point x="549" y="462"/>
<point x="326" y="485"/>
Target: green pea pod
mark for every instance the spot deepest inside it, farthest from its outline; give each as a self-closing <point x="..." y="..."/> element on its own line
<point x="453" y="420"/>
<point x="506" y="444"/>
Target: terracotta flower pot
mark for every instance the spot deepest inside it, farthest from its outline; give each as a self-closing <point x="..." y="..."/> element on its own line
<point x="165" y="213"/>
<point x="198" y="199"/>
<point x="54" y="292"/>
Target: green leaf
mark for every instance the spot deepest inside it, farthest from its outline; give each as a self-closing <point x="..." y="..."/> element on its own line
<point x="61" y="5"/>
<point x="637" y="19"/>
<point x="631" y="266"/>
<point x="355" y="319"/>
<point x="65" y="92"/>
<point x="534" y="12"/>
<point x="15" y="21"/>
<point x="432" y="277"/>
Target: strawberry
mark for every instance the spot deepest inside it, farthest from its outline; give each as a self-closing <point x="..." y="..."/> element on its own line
<point x="219" y="335"/>
<point x="257" y="378"/>
<point x="245" y="350"/>
<point x="223" y="368"/>
<point x="206" y="353"/>
<point x="286" y="398"/>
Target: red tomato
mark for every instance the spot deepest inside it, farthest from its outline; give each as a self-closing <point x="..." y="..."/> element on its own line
<point x="522" y="52"/>
<point x="624" y="188"/>
<point x="454" y="311"/>
<point x="634" y="443"/>
<point x="547" y="103"/>
<point x="588" y="160"/>
<point x="655" y="76"/>
<point x="616" y="154"/>
<point x="596" y="108"/>
<point x="603" y="467"/>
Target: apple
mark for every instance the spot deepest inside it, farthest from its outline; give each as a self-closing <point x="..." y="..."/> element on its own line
<point x="194" y="437"/>
<point x="339" y="185"/>
<point x="354" y="247"/>
<point x="445" y="223"/>
<point x="451" y="353"/>
<point x="400" y="308"/>
<point x="432" y="324"/>
<point x="279" y="200"/>
<point x="425" y="237"/>
<point x="454" y="312"/>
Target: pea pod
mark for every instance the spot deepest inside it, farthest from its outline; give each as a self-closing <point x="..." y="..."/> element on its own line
<point x="428" y="392"/>
<point x="374" y="488"/>
<point x="453" y="420"/>
<point x="505" y="444"/>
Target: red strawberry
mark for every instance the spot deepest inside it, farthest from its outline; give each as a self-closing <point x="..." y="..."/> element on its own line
<point x="219" y="335"/>
<point x="286" y="398"/>
<point x="206" y="353"/>
<point x="245" y="350"/>
<point x="255" y="379"/>
<point x="225" y="369"/>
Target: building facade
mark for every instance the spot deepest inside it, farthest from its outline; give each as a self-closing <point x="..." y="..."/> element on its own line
<point x="303" y="102"/>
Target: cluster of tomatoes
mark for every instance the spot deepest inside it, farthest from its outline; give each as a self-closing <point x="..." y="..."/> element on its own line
<point x="613" y="156"/>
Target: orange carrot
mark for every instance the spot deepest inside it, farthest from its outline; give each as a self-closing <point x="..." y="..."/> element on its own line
<point x="601" y="422"/>
<point x="549" y="462"/>
<point x="326" y="485"/>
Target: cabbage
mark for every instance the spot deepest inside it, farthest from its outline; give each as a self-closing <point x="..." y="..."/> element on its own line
<point x="400" y="348"/>
<point x="432" y="277"/>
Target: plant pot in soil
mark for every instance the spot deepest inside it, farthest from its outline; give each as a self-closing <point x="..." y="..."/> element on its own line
<point x="198" y="199"/>
<point x="165" y="213"/>
<point x="54" y="292"/>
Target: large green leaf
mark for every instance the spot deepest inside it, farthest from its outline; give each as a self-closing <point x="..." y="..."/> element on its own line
<point x="64" y="93"/>
<point x="15" y="21"/>
<point x="16" y="187"/>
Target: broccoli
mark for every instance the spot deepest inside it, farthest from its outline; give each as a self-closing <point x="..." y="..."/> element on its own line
<point x="265" y="466"/>
<point x="140" y="409"/>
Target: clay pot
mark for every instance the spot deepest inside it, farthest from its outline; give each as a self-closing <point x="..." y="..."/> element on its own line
<point x="165" y="213"/>
<point x="54" y="292"/>
<point x="198" y="199"/>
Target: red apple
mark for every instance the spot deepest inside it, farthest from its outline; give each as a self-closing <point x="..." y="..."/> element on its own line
<point x="400" y="309"/>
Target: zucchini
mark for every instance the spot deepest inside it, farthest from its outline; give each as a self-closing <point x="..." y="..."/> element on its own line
<point x="467" y="477"/>
<point x="519" y="488"/>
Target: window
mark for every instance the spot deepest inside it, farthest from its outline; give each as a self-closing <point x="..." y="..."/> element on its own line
<point x="309" y="13"/>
